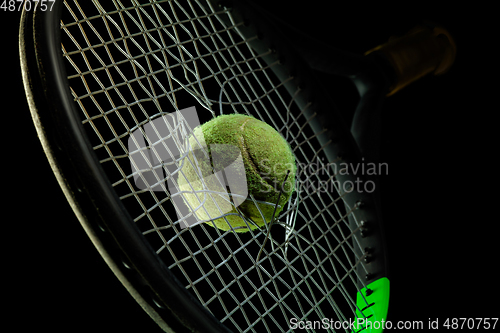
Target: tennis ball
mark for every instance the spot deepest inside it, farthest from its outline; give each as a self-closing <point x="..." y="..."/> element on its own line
<point x="255" y="152"/>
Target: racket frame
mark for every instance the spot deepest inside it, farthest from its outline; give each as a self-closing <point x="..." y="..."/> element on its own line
<point x="100" y="211"/>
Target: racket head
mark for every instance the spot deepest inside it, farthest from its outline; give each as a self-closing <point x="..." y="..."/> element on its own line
<point x="110" y="224"/>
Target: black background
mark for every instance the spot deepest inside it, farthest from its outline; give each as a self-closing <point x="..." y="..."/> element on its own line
<point x="439" y="198"/>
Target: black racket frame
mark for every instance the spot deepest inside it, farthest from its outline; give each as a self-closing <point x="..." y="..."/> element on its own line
<point x="102" y="214"/>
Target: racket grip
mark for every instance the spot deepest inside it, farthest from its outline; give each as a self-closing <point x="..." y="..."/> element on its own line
<point x="423" y="50"/>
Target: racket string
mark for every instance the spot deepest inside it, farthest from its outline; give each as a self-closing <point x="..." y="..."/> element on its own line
<point x="132" y="64"/>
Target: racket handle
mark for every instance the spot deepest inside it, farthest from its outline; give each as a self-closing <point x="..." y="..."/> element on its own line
<point x="423" y="50"/>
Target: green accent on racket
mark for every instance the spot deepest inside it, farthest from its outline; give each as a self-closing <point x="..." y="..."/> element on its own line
<point x="372" y="308"/>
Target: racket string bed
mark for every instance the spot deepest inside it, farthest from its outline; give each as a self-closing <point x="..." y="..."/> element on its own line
<point x="130" y="64"/>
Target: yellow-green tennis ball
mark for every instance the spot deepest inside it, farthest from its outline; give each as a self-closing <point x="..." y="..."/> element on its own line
<point x="264" y="159"/>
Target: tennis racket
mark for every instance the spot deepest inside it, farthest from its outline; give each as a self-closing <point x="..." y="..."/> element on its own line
<point x="116" y="88"/>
